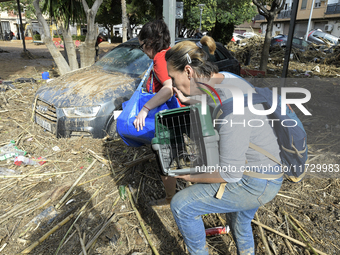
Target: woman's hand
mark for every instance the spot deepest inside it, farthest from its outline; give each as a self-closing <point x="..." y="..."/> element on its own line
<point x="139" y="122"/>
<point x="181" y="97"/>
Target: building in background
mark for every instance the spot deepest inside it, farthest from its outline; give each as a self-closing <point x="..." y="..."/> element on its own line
<point x="326" y="16"/>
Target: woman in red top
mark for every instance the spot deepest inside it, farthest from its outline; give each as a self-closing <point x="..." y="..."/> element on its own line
<point x="154" y="40"/>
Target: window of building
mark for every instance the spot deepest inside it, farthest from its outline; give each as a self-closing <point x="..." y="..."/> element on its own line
<point x="317" y="4"/>
<point x="304" y="4"/>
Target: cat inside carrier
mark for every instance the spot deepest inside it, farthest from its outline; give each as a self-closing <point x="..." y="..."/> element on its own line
<point x="185" y="140"/>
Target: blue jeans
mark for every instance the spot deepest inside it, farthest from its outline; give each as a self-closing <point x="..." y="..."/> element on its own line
<point x="240" y="201"/>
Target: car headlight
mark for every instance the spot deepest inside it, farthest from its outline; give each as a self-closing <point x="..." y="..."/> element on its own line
<point x="85" y="112"/>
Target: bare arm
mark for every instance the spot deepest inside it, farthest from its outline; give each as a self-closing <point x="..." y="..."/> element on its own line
<point x="214" y="177"/>
<point x="160" y="98"/>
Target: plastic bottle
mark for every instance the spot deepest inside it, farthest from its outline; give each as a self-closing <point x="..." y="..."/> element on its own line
<point x="10" y="151"/>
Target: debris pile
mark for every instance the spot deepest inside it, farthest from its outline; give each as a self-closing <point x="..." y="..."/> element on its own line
<point x="316" y="60"/>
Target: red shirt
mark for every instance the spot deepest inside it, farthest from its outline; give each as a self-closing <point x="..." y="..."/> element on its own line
<point x="159" y="72"/>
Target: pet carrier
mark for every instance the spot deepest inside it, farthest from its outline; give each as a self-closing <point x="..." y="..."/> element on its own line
<point x="185" y="140"/>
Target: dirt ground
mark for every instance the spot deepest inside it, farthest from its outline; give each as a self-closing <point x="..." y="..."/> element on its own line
<point x="313" y="205"/>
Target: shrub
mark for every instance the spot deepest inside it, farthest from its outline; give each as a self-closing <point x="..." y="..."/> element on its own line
<point x="36" y="37"/>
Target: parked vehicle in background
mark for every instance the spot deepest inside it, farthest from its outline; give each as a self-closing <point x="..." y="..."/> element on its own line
<point x="82" y="102"/>
<point x="249" y="34"/>
<point x="237" y="38"/>
<point x="318" y="37"/>
<point x="281" y="40"/>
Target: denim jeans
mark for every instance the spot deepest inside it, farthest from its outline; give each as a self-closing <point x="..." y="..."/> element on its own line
<point x="240" y="201"/>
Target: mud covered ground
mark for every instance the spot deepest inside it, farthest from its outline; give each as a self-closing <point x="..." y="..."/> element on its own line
<point x="29" y="190"/>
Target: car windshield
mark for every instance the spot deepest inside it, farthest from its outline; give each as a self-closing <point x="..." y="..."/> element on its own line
<point x="125" y="59"/>
<point x="305" y="44"/>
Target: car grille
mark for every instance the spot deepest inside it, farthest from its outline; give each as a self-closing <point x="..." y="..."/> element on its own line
<point x="46" y="116"/>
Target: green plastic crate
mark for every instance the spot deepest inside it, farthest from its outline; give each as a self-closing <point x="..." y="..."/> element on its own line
<point x="185" y="139"/>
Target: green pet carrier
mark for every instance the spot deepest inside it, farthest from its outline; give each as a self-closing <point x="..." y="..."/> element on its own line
<point x="185" y="140"/>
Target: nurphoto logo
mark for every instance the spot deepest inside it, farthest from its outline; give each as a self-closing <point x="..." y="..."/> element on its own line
<point x="238" y="98"/>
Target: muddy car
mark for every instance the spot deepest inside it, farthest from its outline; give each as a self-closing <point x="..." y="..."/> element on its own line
<point x="82" y="102"/>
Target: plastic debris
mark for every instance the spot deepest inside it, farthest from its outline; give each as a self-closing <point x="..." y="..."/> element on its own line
<point x="122" y="192"/>
<point x="25" y="80"/>
<point x="27" y="161"/>
<point x="6" y="171"/>
<point x="10" y="151"/>
<point x="56" y="148"/>
<point x="217" y="231"/>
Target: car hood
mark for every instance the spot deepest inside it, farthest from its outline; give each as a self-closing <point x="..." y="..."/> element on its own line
<point x="87" y="87"/>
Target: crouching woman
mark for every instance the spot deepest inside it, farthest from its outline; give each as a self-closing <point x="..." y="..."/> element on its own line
<point x="244" y="191"/>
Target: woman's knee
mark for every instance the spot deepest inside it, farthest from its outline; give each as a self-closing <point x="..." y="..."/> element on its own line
<point x="175" y="204"/>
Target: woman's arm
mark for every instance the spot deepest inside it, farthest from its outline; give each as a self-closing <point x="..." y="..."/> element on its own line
<point x="214" y="177"/>
<point x="160" y="98"/>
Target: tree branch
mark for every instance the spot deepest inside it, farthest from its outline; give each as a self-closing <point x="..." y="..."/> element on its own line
<point x="261" y="8"/>
<point x="96" y="5"/>
<point x="86" y="7"/>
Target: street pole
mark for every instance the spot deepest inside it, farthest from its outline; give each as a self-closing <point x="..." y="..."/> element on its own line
<point x="169" y="14"/>
<point x="201" y="6"/>
<point x="309" y="21"/>
<point x="289" y="42"/>
<point x="201" y="19"/>
<point x="21" y="28"/>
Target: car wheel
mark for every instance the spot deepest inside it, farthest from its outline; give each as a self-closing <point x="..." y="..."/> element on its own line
<point x="112" y="131"/>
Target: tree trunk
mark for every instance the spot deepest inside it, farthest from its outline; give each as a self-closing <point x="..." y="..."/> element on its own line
<point x="46" y="37"/>
<point x="266" y="45"/>
<point x="70" y="49"/>
<point x="124" y="21"/>
<point x="88" y="51"/>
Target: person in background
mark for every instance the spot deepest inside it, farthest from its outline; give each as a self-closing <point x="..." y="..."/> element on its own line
<point x="198" y="34"/>
<point x="244" y="192"/>
<point x="154" y="40"/>
<point x="100" y="39"/>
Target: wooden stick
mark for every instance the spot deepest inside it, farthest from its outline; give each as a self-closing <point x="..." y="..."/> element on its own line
<point x="141" y="223"/>
<point x="44" y="237"/>
<point x="33" y="110"/>
<point x="104" y="175"/>
<point x="28" y="132"/>
<point x="300" y="226"/>
<point x="74" y="184"/>
<point x="88" y="245"/>
<point x="81" y="239"/>
<point x="33" y="175"/>
<point x="264" y="240"/>
<point x="100" y="159"/>
<point x="110" y="162"/>
<point x="138" y="161"/>
<point x="285" y="236"/>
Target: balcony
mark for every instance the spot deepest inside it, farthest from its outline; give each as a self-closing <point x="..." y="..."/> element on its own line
<point x="333" y="8"/>
<point x="259" y="17"/>
<point x="284" y="14"/>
